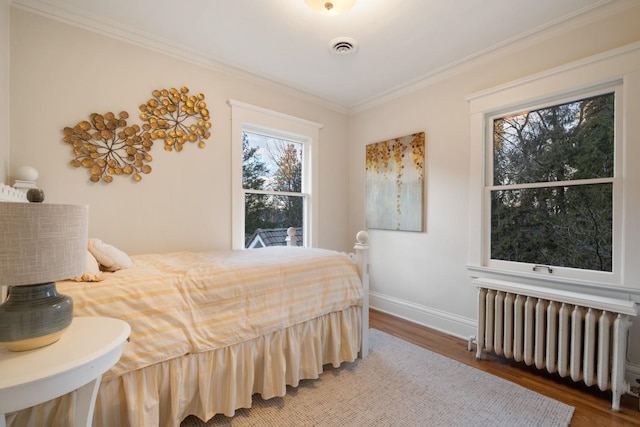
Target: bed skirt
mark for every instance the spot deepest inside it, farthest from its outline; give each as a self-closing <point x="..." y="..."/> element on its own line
<point x="219" y="381"/>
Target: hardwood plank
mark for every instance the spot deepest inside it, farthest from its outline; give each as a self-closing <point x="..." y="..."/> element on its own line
<point x="593" y="407"/>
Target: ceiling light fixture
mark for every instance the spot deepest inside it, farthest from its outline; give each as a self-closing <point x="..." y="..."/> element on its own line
<point x="330" y="7"/>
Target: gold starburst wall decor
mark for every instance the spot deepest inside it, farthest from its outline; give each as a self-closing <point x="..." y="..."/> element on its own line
<point x="176" y="117"/>
<point x="106" y="146"/>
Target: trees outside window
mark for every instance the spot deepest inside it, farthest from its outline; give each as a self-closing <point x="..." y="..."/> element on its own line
<point x="274" y="165"/>
<point x="272" y="183"/>
<point x="554" y="199"/>
<point x="552" y="185"/>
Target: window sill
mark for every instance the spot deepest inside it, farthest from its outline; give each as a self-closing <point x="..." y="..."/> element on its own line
<point x="575" y="285"/>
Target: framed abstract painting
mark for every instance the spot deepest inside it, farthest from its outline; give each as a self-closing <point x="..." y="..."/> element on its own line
<point x="395" y="183"/>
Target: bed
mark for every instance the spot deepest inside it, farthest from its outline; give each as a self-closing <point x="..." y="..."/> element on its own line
<point x="212" y="329"/>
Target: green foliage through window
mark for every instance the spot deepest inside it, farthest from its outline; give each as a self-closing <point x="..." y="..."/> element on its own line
<point x="272" y="180"/>
<point x="552" y="193"/>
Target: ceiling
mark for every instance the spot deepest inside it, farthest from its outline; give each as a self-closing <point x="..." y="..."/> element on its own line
<point x="399" y="42"/>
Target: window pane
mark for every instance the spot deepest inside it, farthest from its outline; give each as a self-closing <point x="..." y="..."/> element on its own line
<point x="267" y="218"/>
<point x="558" y="143"/>
<point x="271" y="164"/>
<point x="558" y="226"/>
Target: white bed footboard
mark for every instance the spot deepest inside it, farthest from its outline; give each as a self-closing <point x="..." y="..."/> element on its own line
<point x="362" y="264"/>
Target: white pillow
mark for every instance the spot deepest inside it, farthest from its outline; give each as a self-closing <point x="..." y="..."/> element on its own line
<point x="92" y="273"/>
<point x="109" y="257"/>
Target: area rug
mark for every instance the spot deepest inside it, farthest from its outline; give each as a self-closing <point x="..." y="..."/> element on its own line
<point x="401" y="384"/>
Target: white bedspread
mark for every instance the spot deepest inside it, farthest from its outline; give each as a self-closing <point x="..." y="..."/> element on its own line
<point x="186" y="303"/>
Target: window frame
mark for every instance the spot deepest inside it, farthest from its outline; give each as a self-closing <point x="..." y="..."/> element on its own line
<point x="250" y="118"/>
<point x="617" y="66"/>
<point x="305" y="191"/>
<point x="615" y="180"/>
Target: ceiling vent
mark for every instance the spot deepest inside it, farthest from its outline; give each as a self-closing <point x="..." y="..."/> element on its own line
<point x="343" y="45"/>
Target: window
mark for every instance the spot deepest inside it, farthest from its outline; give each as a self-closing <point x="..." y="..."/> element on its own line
<point x="273" y="177"/>
<point x="551" y="194"/>
<point x="272" y="184"/>
<point x="548" y="200"/>
<point x="606" y="262"/>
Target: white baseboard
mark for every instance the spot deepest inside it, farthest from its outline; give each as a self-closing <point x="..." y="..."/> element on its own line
<point x="451" y="324"/>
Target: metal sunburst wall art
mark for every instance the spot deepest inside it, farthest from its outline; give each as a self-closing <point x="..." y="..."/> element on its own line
<point x="175" y="117"/>
<point x="106" y="146"/>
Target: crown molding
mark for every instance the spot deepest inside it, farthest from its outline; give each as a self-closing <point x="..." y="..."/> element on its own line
<point x="72" y="16"/>
<point x="75" y="17"/>
<point x="597" y="11"/>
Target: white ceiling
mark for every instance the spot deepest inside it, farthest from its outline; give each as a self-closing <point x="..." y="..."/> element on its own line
<point x="400" y="42"/>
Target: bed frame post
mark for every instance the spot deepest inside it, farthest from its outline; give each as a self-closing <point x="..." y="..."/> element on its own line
<point x="362" y="264"/>
<point x="291" y="238"/>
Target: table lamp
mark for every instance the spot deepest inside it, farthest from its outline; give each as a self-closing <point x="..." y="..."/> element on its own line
<point x="39" y="244"/>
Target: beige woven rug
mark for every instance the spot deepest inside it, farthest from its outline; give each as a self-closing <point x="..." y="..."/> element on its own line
<point x="400" y="384"/>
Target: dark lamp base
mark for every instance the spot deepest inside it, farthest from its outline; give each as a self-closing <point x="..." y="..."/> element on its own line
<point x="34" y="316"/>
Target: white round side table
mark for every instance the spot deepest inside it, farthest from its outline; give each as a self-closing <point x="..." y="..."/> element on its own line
<point x="86" y="350"/>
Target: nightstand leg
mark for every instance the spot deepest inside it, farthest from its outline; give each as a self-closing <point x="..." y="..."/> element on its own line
<point x="3" y="421"/>
<point x="85" y="403"/>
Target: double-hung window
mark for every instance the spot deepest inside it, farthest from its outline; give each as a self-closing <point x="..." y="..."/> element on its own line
<point x="273" y="177"/>
<point x="553" y="170"/>
<point x="551" y="187"/>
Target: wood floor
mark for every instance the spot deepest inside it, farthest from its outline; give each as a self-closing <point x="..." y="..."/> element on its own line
<point x="593" y="408"/>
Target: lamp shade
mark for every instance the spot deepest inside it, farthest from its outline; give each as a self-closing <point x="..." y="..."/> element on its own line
<point x="42" y="242"/>
<point x="39" y="245"/>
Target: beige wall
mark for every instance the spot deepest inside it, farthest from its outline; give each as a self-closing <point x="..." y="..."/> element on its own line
<point x="422" y="276"/>
<point x="60" y="74"/>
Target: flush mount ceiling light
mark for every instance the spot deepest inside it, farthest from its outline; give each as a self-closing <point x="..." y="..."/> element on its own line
<point x="330" y="7"/>
<point x="343" y="45"/>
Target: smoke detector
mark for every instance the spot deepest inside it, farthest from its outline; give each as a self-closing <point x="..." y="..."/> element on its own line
<point x="343" y="45"/>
